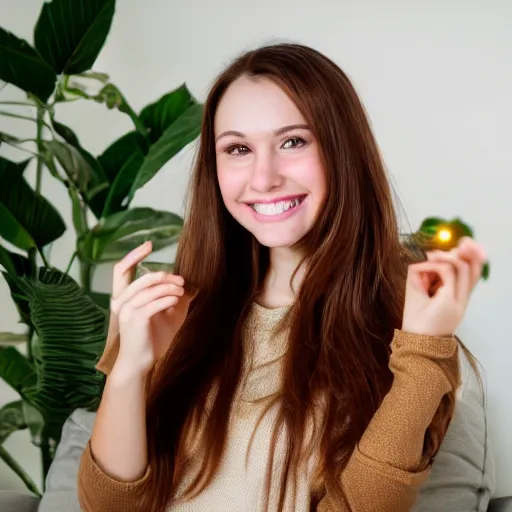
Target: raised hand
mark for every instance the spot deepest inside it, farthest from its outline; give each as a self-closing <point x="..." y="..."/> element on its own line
<point x="146" y="313"/>
<point x="438" y="290"/>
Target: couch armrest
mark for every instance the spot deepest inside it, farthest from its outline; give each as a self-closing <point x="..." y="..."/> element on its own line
<point x="17" y="502"/>
<point x="501" y="505"/>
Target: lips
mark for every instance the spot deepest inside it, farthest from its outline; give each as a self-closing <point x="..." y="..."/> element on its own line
<point x="277" y="207"/>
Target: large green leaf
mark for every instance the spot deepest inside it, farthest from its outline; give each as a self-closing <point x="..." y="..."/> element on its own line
<point x="19" y="415"/>
<point x="27" y="219"/>
<point x="121" y="232"/>
<point x="180" y="133"/>
<point x="84" y="171"/>
<point x="115" y="156"/>
<point x="158" y="116"/>
<point x="78" y="212"/>
<point x="69" y="34"/>
<point x="19" y="298"/>
<point x="121" y="162"/>
<point x="71" y="331"/>
<point x="12" y="419"/>
<point x="14" y="263"/>
<point x="16" y="370"/>
<point x="22" y="66"/>
<point x="121" y="187"/>
<point x="66" y="133"/>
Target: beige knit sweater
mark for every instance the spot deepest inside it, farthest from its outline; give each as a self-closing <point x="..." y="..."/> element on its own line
<point x="382" y="474"/>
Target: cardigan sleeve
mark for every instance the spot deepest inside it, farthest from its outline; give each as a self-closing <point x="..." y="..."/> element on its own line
<point x="388" y="466"/>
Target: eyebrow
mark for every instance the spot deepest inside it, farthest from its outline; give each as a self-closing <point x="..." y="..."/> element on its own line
<point x="281" y="131"/>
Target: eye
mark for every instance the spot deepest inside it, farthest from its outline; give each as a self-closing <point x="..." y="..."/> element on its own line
<point x="237" y="150"/>
<point x="294" y="142"/>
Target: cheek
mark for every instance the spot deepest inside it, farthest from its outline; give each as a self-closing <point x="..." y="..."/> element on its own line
<point x="309" y="174"/>
<point x="230" y="184"/>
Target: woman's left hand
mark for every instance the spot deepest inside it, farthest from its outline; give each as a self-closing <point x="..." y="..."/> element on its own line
<point x="437" y="290"/>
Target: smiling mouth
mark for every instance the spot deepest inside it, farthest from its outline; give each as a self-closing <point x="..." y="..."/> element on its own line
<point x="277" y="208"/>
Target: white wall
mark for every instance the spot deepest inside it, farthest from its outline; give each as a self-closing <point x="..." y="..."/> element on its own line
<point x="436" y="78"/>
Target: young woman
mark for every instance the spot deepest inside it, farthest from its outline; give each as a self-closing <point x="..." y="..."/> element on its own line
<point x="296" y="361"/>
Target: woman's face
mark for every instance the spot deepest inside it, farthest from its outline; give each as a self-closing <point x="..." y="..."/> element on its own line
<point x="268" y="163"/>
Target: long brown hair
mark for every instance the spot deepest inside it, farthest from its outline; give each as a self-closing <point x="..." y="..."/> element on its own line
<point x="341" y="325"/>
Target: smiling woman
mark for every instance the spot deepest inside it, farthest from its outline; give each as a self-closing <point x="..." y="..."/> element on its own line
<point x="269" y="169"/>
<point x="313" y="367"/>
<point x="268" y="162"/>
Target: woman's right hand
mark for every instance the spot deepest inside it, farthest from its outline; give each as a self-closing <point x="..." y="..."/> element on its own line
<point x="146" y="313"/>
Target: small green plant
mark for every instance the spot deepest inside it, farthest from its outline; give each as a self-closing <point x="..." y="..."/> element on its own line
<point x="66" y="320"/>
<point x="440" y="234"/>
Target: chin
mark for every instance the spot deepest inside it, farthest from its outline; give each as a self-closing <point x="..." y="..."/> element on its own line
<point x="278" y="240"/>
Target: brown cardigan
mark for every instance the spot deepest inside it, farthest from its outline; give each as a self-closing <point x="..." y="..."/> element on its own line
<point x="387" y="467"/>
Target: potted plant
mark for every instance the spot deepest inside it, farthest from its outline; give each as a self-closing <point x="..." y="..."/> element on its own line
<point x="66" y="320"/>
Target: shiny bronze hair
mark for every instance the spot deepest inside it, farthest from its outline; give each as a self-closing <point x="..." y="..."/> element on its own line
<point x="342" y="322"/>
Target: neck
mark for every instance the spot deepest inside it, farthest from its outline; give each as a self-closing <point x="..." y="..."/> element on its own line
<point x="279" y="289"/>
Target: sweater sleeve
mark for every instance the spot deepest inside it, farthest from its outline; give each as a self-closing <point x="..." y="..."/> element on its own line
<point x="388" y="466"/>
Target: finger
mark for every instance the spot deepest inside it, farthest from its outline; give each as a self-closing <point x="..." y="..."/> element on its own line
<point x="158" y="306"/>
<point x="463" y="284"/>
<point x="146" y="281"/>
<point x="475" y="255"/>
<point x="158" y="291"/>
<point x="468" y="246"/>
<point x="124" y="270"/>
<point x="425" y="275"/>
<point x="421" y="281"/>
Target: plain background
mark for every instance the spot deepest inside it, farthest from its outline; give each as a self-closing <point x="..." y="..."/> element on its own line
<point x="436" y="79"/>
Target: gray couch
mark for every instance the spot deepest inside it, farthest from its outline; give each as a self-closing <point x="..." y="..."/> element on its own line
<point x="14" y="502"/>
<point x="462" y="478"/>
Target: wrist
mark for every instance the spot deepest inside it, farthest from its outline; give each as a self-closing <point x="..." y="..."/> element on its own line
<point x="123" y="374"/>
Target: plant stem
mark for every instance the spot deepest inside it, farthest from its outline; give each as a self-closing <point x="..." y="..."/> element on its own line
<point x="14" y="465"/>
<point x="15" y="145"/>
<point x="32" y="253"/>
<point x="25" y="118"/>
<point x="68" y="268"/>
<point x="45" y="455"/>
<point x="85" y="275"/>
<point x="39" y="142"/>
<point x="18" y="103"/>
<point x="46" y="263"/>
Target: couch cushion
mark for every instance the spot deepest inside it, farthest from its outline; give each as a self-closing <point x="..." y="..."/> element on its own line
<point x="61" y="495"/>
<point x="462" y="477"/>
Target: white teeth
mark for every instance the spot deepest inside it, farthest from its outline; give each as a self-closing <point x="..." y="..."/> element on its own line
<point x="275" y="208"/>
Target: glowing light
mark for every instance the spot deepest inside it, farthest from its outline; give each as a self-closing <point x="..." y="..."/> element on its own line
<point x="444" y="235"/>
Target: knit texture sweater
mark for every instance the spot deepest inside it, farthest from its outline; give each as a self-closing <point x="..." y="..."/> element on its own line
<point x="383" y="474"/>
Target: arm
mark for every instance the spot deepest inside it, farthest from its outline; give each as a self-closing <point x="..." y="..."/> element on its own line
<point x="389" y="465"/>
<point x="110" y="475"/>
<point x="145" y="314"/>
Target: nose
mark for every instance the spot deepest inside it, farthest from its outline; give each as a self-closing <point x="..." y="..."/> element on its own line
<point x="265" y="173"/>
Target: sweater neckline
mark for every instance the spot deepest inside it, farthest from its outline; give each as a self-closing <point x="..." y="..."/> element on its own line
<point x="270" y="314"/>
